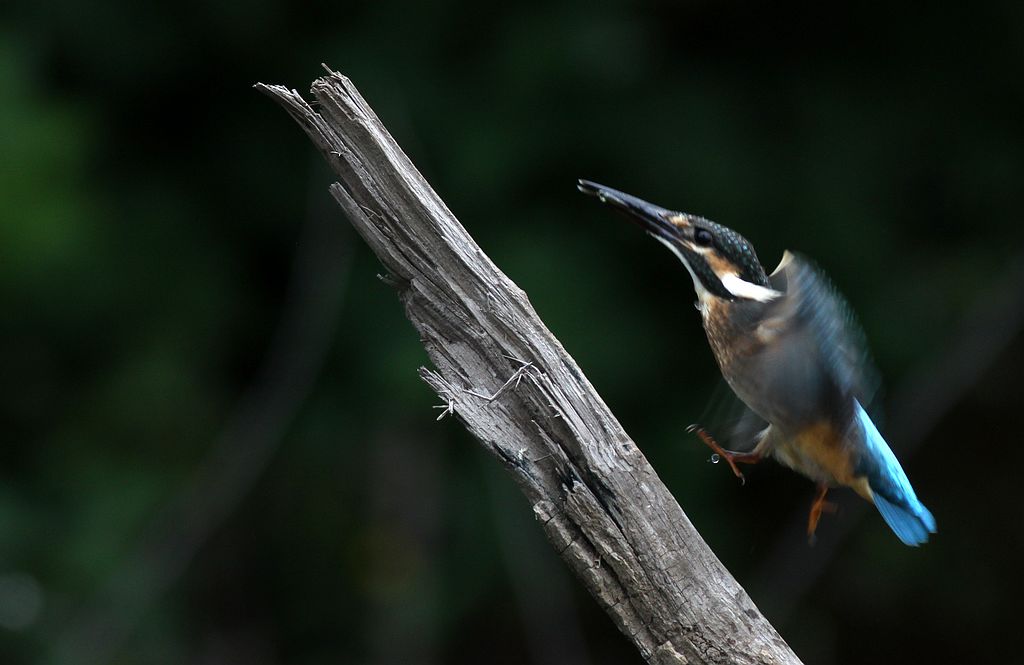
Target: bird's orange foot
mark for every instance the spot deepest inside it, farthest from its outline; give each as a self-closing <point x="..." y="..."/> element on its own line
<point x="729" y="456"/>
<point x="819" y="506"/>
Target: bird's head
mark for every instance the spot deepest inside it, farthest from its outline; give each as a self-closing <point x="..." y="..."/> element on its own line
<point x="722" y="263"/>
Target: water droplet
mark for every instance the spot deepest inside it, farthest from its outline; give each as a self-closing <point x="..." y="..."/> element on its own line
<point x="714" y="458"/>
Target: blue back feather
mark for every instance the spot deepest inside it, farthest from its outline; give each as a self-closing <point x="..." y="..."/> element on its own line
<point x="893" y="495"/>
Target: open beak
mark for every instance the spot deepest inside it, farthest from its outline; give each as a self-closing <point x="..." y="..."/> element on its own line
<point x="663" y="224"/>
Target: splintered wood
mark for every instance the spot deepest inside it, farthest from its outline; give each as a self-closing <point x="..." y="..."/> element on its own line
<point x="502" y="373"/>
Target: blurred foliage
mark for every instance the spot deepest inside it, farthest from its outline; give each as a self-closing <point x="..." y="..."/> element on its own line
<point x="153" y="204"/>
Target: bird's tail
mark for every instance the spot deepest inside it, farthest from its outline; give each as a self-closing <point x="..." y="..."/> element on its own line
<point x="891" y="490"/>
<point x="910" y="521"/>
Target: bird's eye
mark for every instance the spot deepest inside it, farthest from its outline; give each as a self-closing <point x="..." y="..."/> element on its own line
<point x="702" y="237"/>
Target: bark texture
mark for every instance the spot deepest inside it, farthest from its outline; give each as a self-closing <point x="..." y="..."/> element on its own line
<point x="504" y="375"/>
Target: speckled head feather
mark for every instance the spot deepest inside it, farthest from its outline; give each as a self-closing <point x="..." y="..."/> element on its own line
<point x="721" y="261"/>
<point x="735" y="249"/>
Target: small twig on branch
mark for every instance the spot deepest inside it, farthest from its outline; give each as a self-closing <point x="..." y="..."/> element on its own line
<point x="600" y="503"/>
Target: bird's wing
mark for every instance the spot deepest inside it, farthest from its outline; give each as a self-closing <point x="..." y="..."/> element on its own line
<point x="733" y="424"/>
<point x="821" y="332"/>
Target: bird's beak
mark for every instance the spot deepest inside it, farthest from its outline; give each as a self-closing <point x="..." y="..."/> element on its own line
<point x="668" y="226"/>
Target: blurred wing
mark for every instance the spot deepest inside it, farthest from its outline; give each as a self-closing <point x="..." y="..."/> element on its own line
<point x="825" y="328"/>
<point x="730" y="421"/>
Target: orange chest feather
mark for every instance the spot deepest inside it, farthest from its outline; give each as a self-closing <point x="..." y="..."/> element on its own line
<point x="822" y="454"/>
<point x="731" y="338"/>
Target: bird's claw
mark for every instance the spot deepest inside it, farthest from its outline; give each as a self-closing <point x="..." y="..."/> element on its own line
<point x="721" y="452"/>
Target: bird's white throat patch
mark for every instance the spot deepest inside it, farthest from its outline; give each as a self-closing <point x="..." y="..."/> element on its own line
<point x="743" y="289"/>
<point x="733" y="283"/>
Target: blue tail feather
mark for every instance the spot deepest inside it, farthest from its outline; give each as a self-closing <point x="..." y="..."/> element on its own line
<point x="893" y="495"/>
<point x="911" y="525"/>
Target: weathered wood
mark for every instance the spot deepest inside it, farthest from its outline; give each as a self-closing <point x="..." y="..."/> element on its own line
<point x="505" y="376"/>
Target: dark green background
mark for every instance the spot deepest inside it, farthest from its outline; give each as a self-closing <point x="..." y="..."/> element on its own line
<point x="175" y="281"/>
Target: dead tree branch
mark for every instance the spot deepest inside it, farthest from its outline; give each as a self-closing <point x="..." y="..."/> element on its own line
<point x="505" y="376"/>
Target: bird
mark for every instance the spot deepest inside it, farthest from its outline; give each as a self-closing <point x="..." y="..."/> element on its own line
<point x="788" y="346"/>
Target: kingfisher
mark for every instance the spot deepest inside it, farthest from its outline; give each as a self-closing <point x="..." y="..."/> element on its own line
<point x="788" y="347"/>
